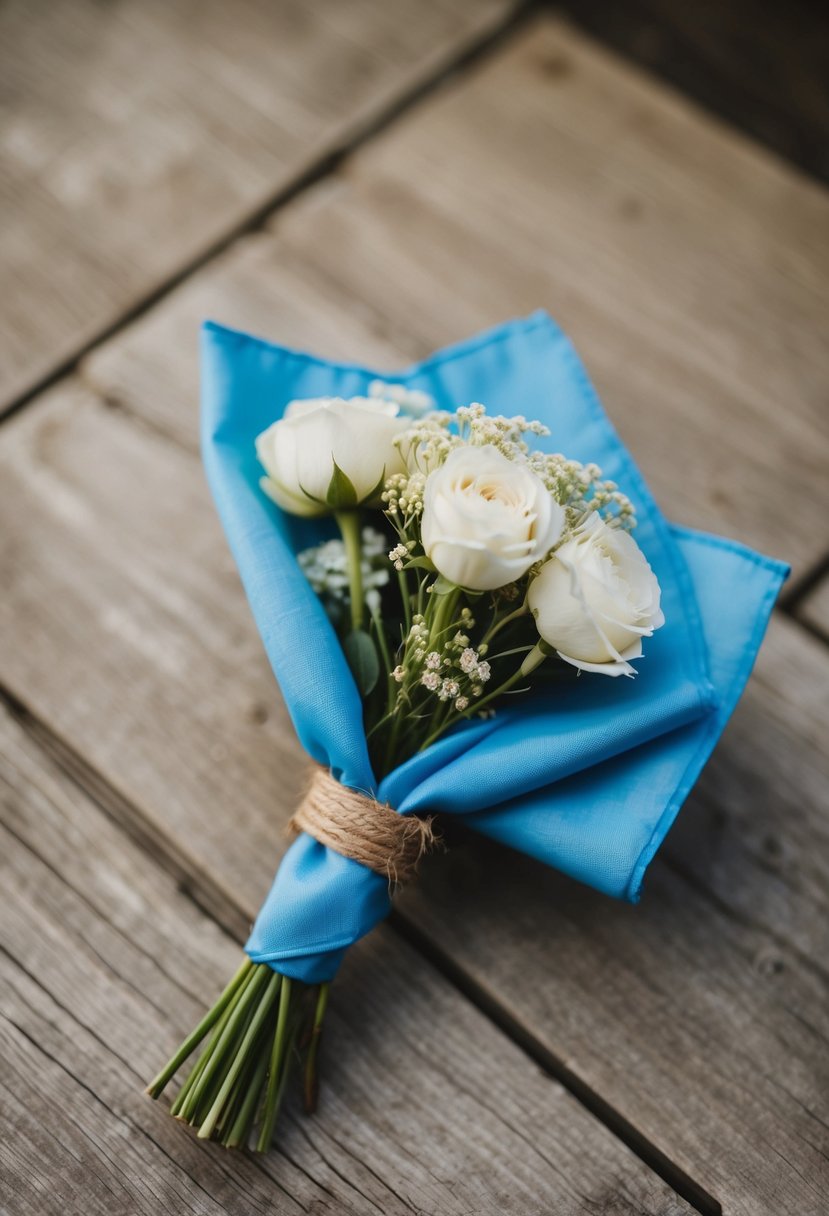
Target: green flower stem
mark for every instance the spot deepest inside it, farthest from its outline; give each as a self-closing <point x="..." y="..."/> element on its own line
<point x="533" y="659"/>
<point x="349" y="524"/>
<point x="192" y="1041"/>
<point x="178" y="1107"/>
<point x="440" y="618"/>
<point x="283" y="1080"/>
<point x="444" y="615"/>
<point x="240" y="1128"/>
<point x="277" y="1068"/>
<point x="385" y="656"/>
<point x="504" y="621"/>
<point x="240" y="1057"/>
<point x="403" y="583"/>
<point x="311" y="1078"/>
<point x="186" y="1105"/>
<point x="226" y="1042"/>
<point x="241" y="1087"/>
<point x="240" y="1076"/>
<point x="387" y="717"/>
<point x="421" y="595"/>
<point x="204" y="1100"/>
<point x="192" y="1093"/>
<point x="391" y="748"/>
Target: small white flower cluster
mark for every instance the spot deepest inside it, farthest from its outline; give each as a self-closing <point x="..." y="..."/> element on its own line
<point x="472" y="665"/>
<point x="427" y="443"/>
<point x="403" y="497"/>
<point x="326" y="568"/>
<point x="506" y="434"/>
<point x="455" y="673"/>
<point x="419" y="637"/>
<point x="410" y="400"/>
<point x="399" y="554"/>
<point x="579" y="488"/>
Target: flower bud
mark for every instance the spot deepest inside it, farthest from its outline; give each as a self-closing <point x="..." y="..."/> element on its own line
<point x="328" y="454"/>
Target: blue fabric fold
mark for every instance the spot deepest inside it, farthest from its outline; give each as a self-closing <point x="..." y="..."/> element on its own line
<point x="587" y="779"/>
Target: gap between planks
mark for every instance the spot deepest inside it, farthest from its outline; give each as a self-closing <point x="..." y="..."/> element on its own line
<point x="459" y="60"/>
<point x="804" y="592"/>
<point x="223" y="908"/>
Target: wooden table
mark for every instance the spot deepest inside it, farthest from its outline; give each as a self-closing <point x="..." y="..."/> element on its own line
<point x="372" y="180"/>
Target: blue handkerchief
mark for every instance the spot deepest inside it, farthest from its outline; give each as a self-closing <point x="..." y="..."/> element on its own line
<point x="587" y="779"/>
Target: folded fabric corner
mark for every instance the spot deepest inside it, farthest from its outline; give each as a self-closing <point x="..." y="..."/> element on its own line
<point x="603" y="826"/>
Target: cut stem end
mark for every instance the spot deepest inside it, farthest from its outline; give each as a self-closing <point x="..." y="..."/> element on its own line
<point x="238" y="1082"/>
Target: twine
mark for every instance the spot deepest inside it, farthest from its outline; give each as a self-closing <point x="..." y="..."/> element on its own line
<point x="358" y="826"/>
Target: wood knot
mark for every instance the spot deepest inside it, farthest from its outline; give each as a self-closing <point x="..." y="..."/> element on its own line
<point x="358" y="826"/>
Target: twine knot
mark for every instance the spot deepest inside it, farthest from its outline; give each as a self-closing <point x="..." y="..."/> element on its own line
<point x="358" y="826"/>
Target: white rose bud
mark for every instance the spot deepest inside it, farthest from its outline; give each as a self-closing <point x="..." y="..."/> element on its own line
<point x="596" y="598"/>
<point x="486" y="518"/>
<point x="327" y="454"/>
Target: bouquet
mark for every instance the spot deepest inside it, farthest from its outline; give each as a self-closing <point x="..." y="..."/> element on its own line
<point x="443" y="588"/>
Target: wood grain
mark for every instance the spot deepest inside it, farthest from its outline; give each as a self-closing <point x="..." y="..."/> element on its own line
<point x="134" y="135"/>
<point x="700" y="1019"/>
<point x="814" y="608"/>
<point x="690" y="268"/>
<point x="105" y="966"/>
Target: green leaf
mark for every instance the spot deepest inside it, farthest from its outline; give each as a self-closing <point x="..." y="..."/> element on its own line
<point x="361" y="654"/>
<point x="341" y="492"/>
<point x="442" y="586"/>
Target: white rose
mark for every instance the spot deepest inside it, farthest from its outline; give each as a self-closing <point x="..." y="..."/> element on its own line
<point x="304" y="450"/>
<point x="596" y="598"/>
<point x="486" y="518"/>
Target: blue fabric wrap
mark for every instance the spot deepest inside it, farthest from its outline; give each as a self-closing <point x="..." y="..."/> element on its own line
<point x="588" y="779"/>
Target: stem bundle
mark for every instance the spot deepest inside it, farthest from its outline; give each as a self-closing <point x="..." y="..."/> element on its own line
<point x="239" y="1079"/>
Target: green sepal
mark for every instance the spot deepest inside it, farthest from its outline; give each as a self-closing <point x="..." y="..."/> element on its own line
<point x="363" y="660"/>
<point x="378" y="489"/>
<point x="442" y="586"/>
<point x="311" y="496"/>
<point x="419" y="563"/>
<point x="341" y="492"/>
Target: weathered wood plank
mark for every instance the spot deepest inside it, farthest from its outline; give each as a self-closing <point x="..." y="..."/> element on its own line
<point x="103" y="962"/>
<point x="700" y="1018"/>
<point x="814" y="608"/>
<point x="136" y="134"/>
<point x="691" y="269"/>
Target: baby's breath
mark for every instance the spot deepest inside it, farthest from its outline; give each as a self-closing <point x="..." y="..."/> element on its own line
<point x="579" y="488"/>
<point x="326" y="566"/>
<point x="410" y="400"/>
